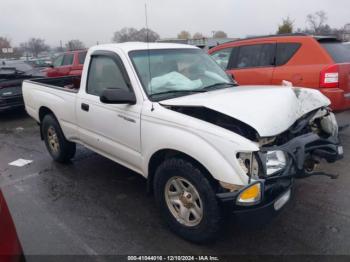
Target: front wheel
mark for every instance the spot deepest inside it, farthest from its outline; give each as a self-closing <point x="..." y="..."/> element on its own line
<point x="60" y="149"/>
<point x="187" y="200"/>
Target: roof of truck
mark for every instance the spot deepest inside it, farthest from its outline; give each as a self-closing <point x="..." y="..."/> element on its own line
<point x="131" y="46"/>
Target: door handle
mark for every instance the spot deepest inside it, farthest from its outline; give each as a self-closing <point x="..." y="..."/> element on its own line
<point x="85" y="107"/>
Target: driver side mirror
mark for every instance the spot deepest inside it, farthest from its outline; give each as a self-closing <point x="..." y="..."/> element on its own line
<point x="117" y="96"/>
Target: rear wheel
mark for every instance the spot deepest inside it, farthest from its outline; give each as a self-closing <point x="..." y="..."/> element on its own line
<point x="187" y="200"/>
<point x="60" y="149"/>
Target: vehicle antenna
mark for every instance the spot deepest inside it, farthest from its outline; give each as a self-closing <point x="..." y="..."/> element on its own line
<point x="148" y="54"/>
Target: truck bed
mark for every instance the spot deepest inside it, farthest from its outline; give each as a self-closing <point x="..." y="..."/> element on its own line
<point x="66" y="83"/>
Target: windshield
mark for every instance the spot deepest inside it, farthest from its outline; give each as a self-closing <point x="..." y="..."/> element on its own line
<point x="167" y="73"/>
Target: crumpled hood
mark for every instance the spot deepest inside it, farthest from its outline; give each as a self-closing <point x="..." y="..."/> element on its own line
<point x="270" y="110"/>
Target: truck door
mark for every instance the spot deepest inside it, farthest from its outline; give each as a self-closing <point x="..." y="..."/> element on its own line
<point x="52" y="71"/>
<point x="253" y="64"/>
<point x="110" y="129"/>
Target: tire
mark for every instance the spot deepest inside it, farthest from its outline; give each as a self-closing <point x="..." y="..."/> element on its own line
<point x="60" y="149"/>
<point x="173" y="171"/>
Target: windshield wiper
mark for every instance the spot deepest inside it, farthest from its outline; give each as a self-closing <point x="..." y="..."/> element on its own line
<point x="178" y="91"/>
<point x="219" y="86"/>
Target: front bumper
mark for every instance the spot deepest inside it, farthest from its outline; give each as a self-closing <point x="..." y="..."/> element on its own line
<point x="11" y="102"/>
<point x="300" y="149"/>
<point x="279" y="185"/>
<point x="275" y="197"/>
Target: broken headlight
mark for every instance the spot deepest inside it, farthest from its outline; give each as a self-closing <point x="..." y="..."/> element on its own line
<point x="276" y="161"/>
<point x="329" y="124"/>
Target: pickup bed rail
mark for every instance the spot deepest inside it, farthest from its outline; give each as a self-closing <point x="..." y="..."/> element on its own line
<point x="66" y="83"/>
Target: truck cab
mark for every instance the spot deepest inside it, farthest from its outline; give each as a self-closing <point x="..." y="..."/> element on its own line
<point x="68" y="63"/>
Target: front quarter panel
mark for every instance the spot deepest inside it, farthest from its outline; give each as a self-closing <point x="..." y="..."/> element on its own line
<point x="212" y="146"/>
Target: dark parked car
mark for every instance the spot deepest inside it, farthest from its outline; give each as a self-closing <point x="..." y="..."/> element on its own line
<point x="12" y="74"/>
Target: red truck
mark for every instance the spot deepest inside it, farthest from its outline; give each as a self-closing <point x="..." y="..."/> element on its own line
<point x="66" y="64"/>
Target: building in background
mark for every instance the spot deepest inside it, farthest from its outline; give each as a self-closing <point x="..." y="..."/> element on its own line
<point x="346" y="34"/>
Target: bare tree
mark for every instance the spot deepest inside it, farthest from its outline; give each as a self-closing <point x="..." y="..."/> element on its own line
<point x="124" y="35"/>
<point x="35" y="46"/>
<point x="198" y="36"/>
<point x="184" y="35"/>
<point x="219" y="34"/>
<point x="317" y="22"/>
<point x="131" y="34"/>
<point x="5" y="42"/>
<point x="75" y="44"/>
<point x="146" y="35"/>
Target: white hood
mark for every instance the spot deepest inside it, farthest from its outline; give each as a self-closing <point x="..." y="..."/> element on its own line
<point x="270" y="110"/>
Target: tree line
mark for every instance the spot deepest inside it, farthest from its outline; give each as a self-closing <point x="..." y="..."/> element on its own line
<point x="35" y="46"/>
<point x="316" y="24"/>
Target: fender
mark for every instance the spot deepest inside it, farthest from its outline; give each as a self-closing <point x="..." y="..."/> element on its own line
<point x="215" y="153"/>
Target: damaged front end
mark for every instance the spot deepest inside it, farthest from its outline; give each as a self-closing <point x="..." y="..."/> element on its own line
<point x="295" y="153"/>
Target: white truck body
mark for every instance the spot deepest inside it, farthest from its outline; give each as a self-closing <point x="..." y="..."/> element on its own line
<point x="131" y="134"/>
<point x="105" y="130"/>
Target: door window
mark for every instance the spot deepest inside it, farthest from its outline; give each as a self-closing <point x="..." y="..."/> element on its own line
<point x="104" y="73"/>
<point x="222" y="57"/>
<point x="255" y="56"/>
<point x="81" y="57"/>
<point x="285" y="51"/>
<point x="58" y="61"/>
<point x="68" y="59"/>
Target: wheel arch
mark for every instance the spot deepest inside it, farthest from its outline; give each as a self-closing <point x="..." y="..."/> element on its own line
<point x="161" y="155"/>
<point x="43" y="111"/>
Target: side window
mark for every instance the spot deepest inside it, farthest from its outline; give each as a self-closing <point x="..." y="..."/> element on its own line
<point x="81" y="57"/>
<point x="222" y="57"/>
<point x="58" y="61"/>
<point x="68" y="59"/>
<point x="285" y="51"/>
<point x="255" y="56"/>
<point x="104" y="73"/>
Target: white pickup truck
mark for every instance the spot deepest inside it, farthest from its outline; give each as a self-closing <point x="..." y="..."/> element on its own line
<point x="205" y="145"/>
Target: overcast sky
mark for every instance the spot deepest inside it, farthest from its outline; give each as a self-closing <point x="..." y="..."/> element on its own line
<point x="96" y="20"/>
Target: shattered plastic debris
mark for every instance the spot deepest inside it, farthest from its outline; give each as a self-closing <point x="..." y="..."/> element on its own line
<point x="287" y="83"/>
<point x="20" y="162"/>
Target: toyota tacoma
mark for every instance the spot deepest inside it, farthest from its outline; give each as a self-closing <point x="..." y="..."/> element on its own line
<point x="206" y="146"/>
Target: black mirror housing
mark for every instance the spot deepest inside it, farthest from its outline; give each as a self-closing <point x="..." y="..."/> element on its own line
<point x="118" y="96"/>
